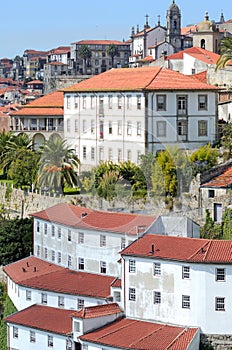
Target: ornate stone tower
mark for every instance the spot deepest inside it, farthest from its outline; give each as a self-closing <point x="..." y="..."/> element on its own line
<point x="174" y="26"/>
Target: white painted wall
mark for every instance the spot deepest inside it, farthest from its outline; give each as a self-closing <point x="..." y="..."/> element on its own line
<point x="201" y="287"/>
<point x="175" y="226"/>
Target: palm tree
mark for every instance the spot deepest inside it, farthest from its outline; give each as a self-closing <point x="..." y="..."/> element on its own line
<point x="112" y="51"/>
<point x="58" y="165"/>
<point x="225" y="53"/>
<point x="85" y="53"/>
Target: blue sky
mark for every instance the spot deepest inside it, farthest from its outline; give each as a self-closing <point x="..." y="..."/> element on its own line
<point x="46" y="24"/>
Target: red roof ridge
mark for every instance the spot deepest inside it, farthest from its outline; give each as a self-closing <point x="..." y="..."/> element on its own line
<point x="177" y="337"/>
<point x="147" y="335"/>
<point x="201" y="250"/>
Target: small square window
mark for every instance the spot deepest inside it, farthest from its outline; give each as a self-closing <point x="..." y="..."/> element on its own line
<point x="161" y="129"/>
<point x="59" y="233"/>
<point x="69" y="261"/>
<point x="80" y="237"/>
<point x="69" y="236"/>
<point x="220" y="275"/>
<point x="161" y="102"/>
<point x="59" y="257"/>
<point x="28" y="295"/>
<point x="185" y="301"/>
<point x="46" y="253"/>
<point x="219" y="304"/>
<point x="117" y="297"/>
<point x="50" y="341"/>
<point x="138" y="102"/>
<point x="15" y="332"/>
<point x="132" y="294"/>
<point x="53" y="230"/>
<point x="156" y="269"/>
<point x="102" y="240"/>
<point x="38" y="226"/>
<point x="157" y="298"/>
<point x="202" y="102"/>
<point x="185" y="272"/>
<point x="139" y="128"/>
<point x="102" y="266"/>
<point x="53" y="255"/>
<point x="132" y="265"/>
<point x="60" y="301"/>
<point x="44" y="298"/>
<point x="110" y="128"/>
<point x="211" y="194"/>
<point x="202" y="128"/>
<point x="80" y="303"/>
<point x="81" y="263"/>
<point x="119" y="102"/>
<point x="45" y="229"/>
<point x="32" y="337"/>
<point x="123" y="243"/>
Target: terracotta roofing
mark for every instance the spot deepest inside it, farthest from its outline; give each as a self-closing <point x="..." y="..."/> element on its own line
<point x="60" y="50"/>
<point x="56" y="63"/>
<point x="197" y="52"/>
<point x="139" y="79"/>
<point x="45" y="318"/>
<point x="71" y="215"/>
<point x="181" y="249"/>
<point x="147" y="59"/>
<point x="39" y="274"/>
<point x="202" y="76"/>
<point x="35" y="82"/>
<point x="98" y="311"/>
<point x="39" y="111"/>
<point x="117" y="283"/>
<point x="222" y="181"/>
<point x="132" y="334"/>
<point x="188" y="30"/>
<point x="100" y="42"/>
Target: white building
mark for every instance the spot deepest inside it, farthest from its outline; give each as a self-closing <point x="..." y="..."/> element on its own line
<point x="185" y="281"/>
<point x="123" y="113"/>
<point x="86" y="240"/>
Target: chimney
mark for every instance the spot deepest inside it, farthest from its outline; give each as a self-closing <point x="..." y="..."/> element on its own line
<point x="153" y="248"/>
<point x="24" y="270"/>
<point x="84" y="214"/>
<point x="34" y="268"/>
<point x="27" y="264"/>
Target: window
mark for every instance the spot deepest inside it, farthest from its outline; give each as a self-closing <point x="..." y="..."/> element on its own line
<point x="128" y="154"/>
<point x="138" y="156"/>
<point x="60" y="301"/>
<point x="28" y="295"/>
<point x="202" y="102"/>
<point x="37" y="226"/>
<point x="84" y="152"/>
<point x="119" y="155"/>
<point x="68" y="125"/>
<point x="46" y="253"/>
<point x="182" y="127"/>
<point x="101" y="130"/>
<point x="185" y="302"/>
<point x="101" y="105"/>
<point x="59" y="257"/>
<point x="85" y="347"/>
<point x="182" y="105"/>
<point x="81" y="263"/>
<point x="123" y="243"/>
<point x="101" y="154"/>
<point x="45" y="229"/>
<point x="102" y="240"/>
<point x="139" y="128"/>
<point x="69" y="261"/>
<point x="92" y="126"/>
<point x="80" y="303"/>
<point x="53" y="230"/>
<point x="110" y="154"/>
<point x="132" y="265"/>
<point x="220" y="275"/>
<point x="219" y="304"/>
<point x="59" y="233"/>
<point x="84" y="102"/>
<point x="138" y="102"/>
<point x="92" y="102"/>
<point x="119" y="102"/>
<point x="129" y="128"/>
<point x="84" y="125"/>
<point x="44" y="299"/>
<point x="161" y="129"/>
<point x="117" y="297"/>
<point x="76" y="125"/>
<point x="92" y="153"/>
<point x="32" y="337"/>
<point x="110" y="101"/>
<point x="50" y="341"/>
<point x="156" y="269"/>
<point x="81" y="237"/>
<point x="53" y="255"/>
<point x="157" y="298"/>
<point x="211" y="193"/>
<point x="76" y="326"/>
<point x="68" y="344"/>
<point x="102" y="266"/>
<point x="15" y="332"/>
<point x="38" y="250"/>
<point x="119" y="127"/>
<point x="161" y="102"/>
<point x="202" y="128"/>
<point x="68" y="102"/>
<point x="76" y="102"/>
<point x="185" y="272"/>
<point x="110" y="128"/>
<point x="128" y="103"/>
<point x="132" y="294"/>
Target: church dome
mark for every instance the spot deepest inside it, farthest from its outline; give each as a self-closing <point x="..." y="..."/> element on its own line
<point x="173" y="6"/>
<point x="206" y="25"/>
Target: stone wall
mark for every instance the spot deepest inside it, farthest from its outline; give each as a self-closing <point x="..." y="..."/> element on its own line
<point x="61" y="82"/>
<point x="216" y="342"/>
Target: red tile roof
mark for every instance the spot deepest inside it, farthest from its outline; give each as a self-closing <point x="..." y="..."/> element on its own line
<point x="200" y="54"/>
<point x="188" y="30"/>
<point x="202" y="76"/>
<point x="56" y="63"/>
<point x="35" y="82"/>
<point x="58" y="279"/>
<point x="117" y="283"/>
<point x="222" y="181"/>
<point x="71" y="215"/>
<point x="98" y="311"/>
<point x="45" y="318"/>
<point x="133" y="334"/>
<point x="100" y="42"/>
<point x="39" y="111"/>
<point x="139" y="79"/>
<point x="181" y="249"/>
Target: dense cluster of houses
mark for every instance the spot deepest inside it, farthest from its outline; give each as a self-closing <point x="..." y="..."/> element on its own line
<point x="104" y="280"/>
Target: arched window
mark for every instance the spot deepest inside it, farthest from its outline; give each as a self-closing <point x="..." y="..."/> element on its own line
<point x="203" y="43"/>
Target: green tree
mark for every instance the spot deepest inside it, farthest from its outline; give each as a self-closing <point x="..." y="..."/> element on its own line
<point x="226" y="139"/>
<point x="225" y="53"/>
<point x="210" y="230"/>
<point x="23" y="169"/>
<point x="85" y="53"/>
<point x="227" y="224"/>
<point x="9" y="309"/>
<point x="58" y="165"/>
<point x="204" y="158"/>
<point x="112" y="51"/>
<point x="5" y="137"/>
<point x="15" y="240"/>
<point x="146" y="163"/>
